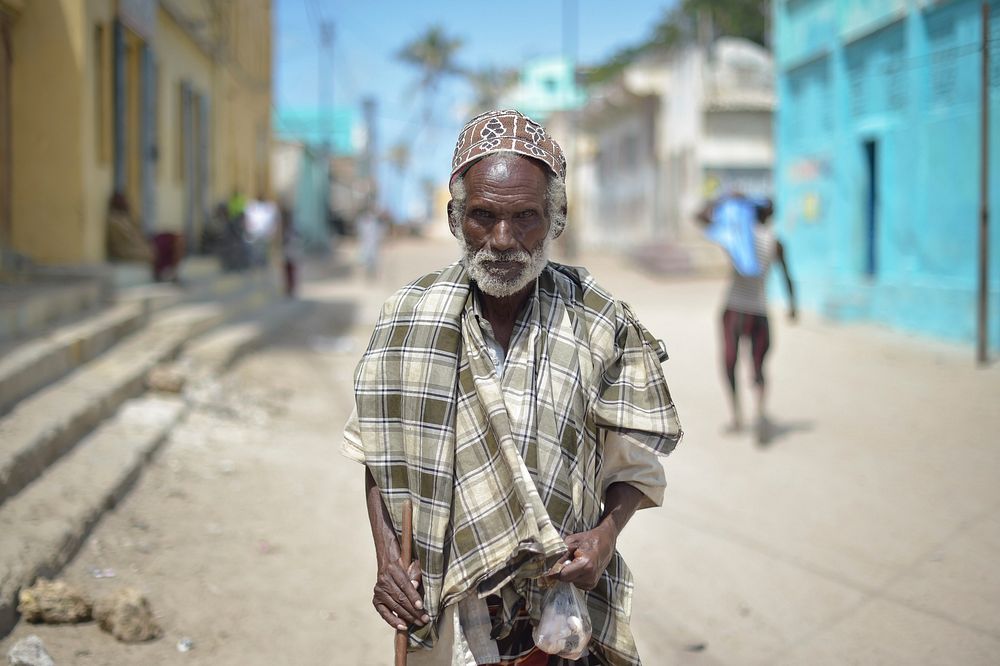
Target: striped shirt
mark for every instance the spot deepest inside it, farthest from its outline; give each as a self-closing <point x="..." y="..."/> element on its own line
<point x="749" y="294"/>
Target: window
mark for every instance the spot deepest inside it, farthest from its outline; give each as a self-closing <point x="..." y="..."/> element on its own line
<point x="180" y="126"/>
<point x="102" y="89"/>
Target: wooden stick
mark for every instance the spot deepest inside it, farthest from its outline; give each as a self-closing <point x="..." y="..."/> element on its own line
<point x="403" y="635"/>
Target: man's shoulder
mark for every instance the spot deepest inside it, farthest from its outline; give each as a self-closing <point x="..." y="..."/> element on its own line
<point x="407" y="298"/>
<point x="577" y="282"/>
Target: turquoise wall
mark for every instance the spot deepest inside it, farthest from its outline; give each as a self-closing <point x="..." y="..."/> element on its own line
<point x="903" y="76"/>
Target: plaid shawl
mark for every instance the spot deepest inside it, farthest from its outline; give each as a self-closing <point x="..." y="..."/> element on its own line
<point x="499" y="470"/>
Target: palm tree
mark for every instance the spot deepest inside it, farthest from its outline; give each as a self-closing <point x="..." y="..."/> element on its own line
<point x="433" y="53"/>
<point x="399" y="157"/>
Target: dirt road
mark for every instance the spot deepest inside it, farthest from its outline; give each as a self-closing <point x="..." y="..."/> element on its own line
<point x="864" y="534"/>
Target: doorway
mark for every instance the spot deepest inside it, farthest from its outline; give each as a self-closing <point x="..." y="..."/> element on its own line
<point x="871" y="201"/>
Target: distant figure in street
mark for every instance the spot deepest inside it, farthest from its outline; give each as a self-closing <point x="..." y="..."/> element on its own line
<point x="290" y="250"/>
<point x="125" y="241"/>
<point x="260" y="223"/>
<point x="164" y="251"/>
<point x="237" y="204"/>
<point x="740" y="225"/>
<point x="369" y="241"/>
<point x="235" y="247"/>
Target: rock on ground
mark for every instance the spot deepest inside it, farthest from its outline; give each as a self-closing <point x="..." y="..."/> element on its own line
<point x="166" y="379"/>
<point x="53" y="602"/>
<point x="29" y="651"/>
<point x="127" y="616"/>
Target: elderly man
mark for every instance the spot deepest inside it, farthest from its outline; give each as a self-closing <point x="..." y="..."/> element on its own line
<point x="520" y="408"/>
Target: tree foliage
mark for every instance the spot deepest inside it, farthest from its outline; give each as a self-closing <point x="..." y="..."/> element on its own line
<point x="488" y="86"/>
<point x="685" y="23"/>
<point x="433" y="54"/>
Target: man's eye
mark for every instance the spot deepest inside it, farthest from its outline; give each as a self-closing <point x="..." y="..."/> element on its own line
<point x="481" y="214"/>
<point x="527" y="214"/>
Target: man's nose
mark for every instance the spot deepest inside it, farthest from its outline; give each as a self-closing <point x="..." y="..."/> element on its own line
<point x="503" y="236"/>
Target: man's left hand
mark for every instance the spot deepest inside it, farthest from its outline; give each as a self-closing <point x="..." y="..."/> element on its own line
<point x="589" y="555"/>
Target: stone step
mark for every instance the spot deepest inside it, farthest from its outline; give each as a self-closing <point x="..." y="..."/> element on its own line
<point x="44" y="426"/>
<point x="44" y="526"/>
<point x="215" y="351"/>
<point x="29" y="307"/>
<point x="155" y="297"/>
<point x="46" y="523"/>
<point x="41" y="360"/>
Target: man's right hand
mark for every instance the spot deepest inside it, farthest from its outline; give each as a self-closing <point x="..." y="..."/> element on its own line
<point x="397" y="595"/>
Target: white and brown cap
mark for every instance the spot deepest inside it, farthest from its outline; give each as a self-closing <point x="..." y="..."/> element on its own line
<point x="499" y="130"/>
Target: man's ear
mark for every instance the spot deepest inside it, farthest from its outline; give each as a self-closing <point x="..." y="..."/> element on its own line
<point x="557" y="232"/>
<point x="451" y="220"/>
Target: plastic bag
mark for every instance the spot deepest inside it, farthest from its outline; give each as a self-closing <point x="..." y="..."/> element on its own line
<point x="564" y="628"/>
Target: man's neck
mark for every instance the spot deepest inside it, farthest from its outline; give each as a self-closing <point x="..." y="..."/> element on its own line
<point x="502" y="311"/>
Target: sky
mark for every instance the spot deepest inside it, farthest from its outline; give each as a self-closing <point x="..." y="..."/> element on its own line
<point x="369" y="33"/>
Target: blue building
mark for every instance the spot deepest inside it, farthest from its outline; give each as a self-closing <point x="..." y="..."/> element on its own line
<point x="878" y="160"/>
<point x="545" y="85"/>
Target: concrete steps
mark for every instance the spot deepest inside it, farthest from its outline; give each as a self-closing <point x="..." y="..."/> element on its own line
<point x="48" y="522"/>
<point x="215" y="351"/>
<point x="27" y="309"/>
<point x="46" y="424"/>
<point x="71" y="449"/>
<point x="31" y="365"/>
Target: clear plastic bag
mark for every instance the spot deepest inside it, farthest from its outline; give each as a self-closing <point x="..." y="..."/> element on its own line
<point x="564" y="628"/>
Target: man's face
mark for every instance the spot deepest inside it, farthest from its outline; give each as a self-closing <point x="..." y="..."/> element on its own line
<point x="504" y="232"/>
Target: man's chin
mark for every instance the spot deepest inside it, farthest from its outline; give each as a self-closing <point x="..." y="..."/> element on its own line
<point x="506" y="272"/>
<point x="500" y="288"/>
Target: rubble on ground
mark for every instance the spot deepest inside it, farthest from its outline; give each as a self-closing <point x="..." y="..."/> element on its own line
<point x="166" y="378"/>
<point x="53" y="602"/>
<point x="29" y="651"/>
<point x="127" y="616"/>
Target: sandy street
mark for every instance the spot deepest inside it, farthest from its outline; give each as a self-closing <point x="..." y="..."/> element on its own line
<point x="866" y="533"/>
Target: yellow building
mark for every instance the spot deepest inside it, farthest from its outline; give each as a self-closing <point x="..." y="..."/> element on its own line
<point x="166" y="101"/>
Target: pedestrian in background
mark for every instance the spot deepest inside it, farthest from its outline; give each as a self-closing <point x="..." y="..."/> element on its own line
<point x="125" y="240"/>
<point x="291" y="250"/>
<point x="740" y="226"/>
<point x="369" y="241"/>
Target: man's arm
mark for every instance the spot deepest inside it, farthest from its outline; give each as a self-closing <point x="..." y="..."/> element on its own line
<point x="782" y="261"/>
<point x="704" y="216"/>
<point x="591" y="551"/>
<point x="396" y="597"/>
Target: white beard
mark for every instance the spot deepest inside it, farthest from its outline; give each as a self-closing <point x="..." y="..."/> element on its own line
<point x="477" y="263"/>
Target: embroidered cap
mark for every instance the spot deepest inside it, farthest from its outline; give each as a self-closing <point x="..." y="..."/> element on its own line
<point x="498" y="130"/>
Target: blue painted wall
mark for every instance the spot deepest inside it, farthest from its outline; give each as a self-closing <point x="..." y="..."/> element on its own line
<point x="902" y="76"/>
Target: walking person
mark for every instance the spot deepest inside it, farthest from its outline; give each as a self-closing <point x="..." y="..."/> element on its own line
<point x="741" y="226"/>
<point x="521" y="408"/>
<point x="291" y="250"/>
<point x="370" y="234"/>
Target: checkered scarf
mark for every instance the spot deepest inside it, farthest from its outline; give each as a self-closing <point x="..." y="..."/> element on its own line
<point x="499" y="470"/>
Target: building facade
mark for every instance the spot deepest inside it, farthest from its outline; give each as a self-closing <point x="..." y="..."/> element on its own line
<point x="879" y="159"/>
<point x="166" y="101"/>
<point x="675" y="130"/>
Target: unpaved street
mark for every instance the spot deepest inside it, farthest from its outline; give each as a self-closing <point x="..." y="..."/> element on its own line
<point x="865" y="533"/>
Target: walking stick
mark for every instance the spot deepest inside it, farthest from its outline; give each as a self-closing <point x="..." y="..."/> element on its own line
<point x="403" y="635"/>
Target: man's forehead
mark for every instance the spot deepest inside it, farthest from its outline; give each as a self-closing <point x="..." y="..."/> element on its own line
<point x="499" y="174"/>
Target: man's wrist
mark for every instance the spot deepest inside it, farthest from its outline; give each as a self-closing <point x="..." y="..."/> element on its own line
<point x="388" y="553"/>
<point x="609" y="528"/>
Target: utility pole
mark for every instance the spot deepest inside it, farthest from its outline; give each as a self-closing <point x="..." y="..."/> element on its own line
<point x="570" y="30"/>
<point x="984" y="195"/>
<point x="371" y="168"/>
<point x="324" y="79"/>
